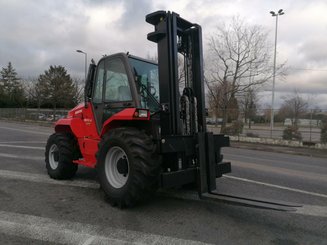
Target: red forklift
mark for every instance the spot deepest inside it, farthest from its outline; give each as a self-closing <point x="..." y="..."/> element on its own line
<point x="140" y="126"/>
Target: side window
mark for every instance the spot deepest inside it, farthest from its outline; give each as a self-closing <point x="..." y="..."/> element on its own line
<point x="116" y="82"/>
<point x="98" y="86"/>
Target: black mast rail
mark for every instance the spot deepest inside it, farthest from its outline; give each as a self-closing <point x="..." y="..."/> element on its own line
<point x="190" y="154"/>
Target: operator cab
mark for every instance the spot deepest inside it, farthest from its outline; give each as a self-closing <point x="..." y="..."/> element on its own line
<point x="121" y="81"/>
<point x="147" y="81"/>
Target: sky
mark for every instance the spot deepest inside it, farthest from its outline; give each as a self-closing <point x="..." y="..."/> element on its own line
<point x="35" y="34"/>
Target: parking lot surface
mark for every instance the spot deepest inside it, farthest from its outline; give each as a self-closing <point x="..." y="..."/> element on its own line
<point x="35" y="209"/>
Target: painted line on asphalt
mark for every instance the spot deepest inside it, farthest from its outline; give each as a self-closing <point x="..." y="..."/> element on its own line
<point x="93" y="184"/>
<point x="89" y="241"/>
<point x="276" y="186"/>
<point x="67" y="232"/>
<point x="23" y="147"/>
<point x="41" y="178"/>
<point x="6" y="155"/>
<point x="286" y="159"/>
<point x="312" y="210"/>
<point x="26" y="131"/>
<point x="283" y="171"/>
<point x="320" y="211"/>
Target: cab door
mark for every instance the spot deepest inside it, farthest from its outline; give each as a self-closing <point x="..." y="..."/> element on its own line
<point x="112" y="89"/>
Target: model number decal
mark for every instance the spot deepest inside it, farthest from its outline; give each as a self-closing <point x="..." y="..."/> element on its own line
<point x="88" y="121"/>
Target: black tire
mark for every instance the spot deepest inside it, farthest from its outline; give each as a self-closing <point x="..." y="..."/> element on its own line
<point x="59" y="155"/>
<point x="143" y="166"/>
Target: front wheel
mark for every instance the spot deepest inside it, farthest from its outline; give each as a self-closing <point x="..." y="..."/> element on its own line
<point x="59" y="156"/>
<point x="128" y="166"/>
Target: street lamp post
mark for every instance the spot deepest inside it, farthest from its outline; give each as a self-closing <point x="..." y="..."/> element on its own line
<point x="80" y="51"/>
<point x="280" y="12"/>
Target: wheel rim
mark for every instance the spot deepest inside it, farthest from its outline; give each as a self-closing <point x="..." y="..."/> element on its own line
<point x="114" y="177"/>
<point x="53" y="156"/>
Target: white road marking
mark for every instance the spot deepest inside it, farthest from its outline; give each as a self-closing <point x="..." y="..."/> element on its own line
<point x="316" y="176"/>
<point x="26" y="131"/>
<point x="23" y="147"/>
<point x="93" y="184"/>
<point x="312" y="210"/>
<point x="277" y="186"/>
<point x="20" y="157"/>
<point x="89" y="240"/>
<point x="320" y="211"/>
<point x="60" y="231"/>
<point x="41" y="178"/>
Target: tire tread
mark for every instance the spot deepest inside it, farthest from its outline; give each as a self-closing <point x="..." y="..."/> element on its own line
<point x="146" y="164"/>
<point x="67" y="146"/>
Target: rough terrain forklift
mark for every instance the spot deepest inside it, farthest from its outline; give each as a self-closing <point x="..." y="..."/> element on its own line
<point x="141" y="126"/>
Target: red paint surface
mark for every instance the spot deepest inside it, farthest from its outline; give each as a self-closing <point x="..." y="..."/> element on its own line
<point x="81" y="123"/>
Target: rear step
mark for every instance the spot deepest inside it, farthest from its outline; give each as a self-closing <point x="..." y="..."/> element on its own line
<point x="251" y="202"/>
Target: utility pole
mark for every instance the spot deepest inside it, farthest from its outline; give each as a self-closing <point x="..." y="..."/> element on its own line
<point x="80" y="51"/>
<point x="280" y="12"/>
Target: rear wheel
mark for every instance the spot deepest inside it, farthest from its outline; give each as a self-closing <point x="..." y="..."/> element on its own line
<point x="128" y="166"/>
<point x="59" y="156"/>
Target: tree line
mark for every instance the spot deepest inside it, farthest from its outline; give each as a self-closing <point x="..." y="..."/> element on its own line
<point x="238" y="64"/>
<point x="55" y="88"/>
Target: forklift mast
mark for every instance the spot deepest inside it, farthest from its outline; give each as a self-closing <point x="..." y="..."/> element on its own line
<point x="176" y="36"/>
<point x="184" y="137"/>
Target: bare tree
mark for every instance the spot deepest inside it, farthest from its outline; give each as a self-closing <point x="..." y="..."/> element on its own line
<point x="239" y="59"/>
<point x="248" y="104"/>
<point x="180" y="67"/>
<point x="78" y="89"/>
<point x="267" y="113"/>
<point x="221" y="103"/>
<point x="294" y="106"/>
<point x="153" y="58"/>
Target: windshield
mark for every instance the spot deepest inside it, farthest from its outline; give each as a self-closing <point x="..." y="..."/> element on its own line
<point x="147" y="82"/>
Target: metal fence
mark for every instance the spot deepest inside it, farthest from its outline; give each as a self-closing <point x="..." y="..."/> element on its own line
<point x="308" y="123"/>
<point x="29" y="114"/>
<point x="264" y="131"/>
<point x="258" y="126"/>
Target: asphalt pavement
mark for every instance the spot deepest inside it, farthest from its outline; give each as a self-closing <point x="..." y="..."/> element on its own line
<point x="35" y="209"/>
